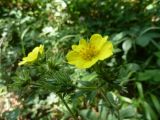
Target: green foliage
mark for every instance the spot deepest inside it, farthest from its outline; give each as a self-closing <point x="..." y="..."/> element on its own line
<point x="123" y="87"/>
<point x="12" y="115"/>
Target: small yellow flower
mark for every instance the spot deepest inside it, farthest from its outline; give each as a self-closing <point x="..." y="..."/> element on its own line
<point x="32" y="56"/>
<point x="87" y="54"/>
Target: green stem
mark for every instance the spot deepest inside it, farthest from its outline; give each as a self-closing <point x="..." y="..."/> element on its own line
<point x="105" y="98"/>
<point x="118" y="114"/>
<point x="66" y="105"/>
<point x="109" y="103"/>
<point x="23" y="49"/>
<point x="22" y="38"/>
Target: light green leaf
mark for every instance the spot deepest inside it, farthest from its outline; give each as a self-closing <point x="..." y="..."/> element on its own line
<point x="150" y="114"/>
<point x="89" y="77"/>
<point x="156" y="102"/>
<point x="128" y="112"/>
<point x="140" y="89"/>
<point x="118" y="38"/>
<point x="127" y="45"/>
<point x="3" y="90"/>
<point x="88" y="114"/>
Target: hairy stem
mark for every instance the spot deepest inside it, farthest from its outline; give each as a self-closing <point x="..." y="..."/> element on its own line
<point x="66" y="105"/>
<point x="109" y="104"/>
<point x="105" y="98"/>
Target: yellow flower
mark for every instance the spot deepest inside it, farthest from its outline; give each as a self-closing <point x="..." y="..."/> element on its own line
<point x="87" y="54"/>
<point x="32" y="56"/>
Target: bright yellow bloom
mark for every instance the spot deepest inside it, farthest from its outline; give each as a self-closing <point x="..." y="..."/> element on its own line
<point x="87" y="54"/>
<point x="32" y="56"/>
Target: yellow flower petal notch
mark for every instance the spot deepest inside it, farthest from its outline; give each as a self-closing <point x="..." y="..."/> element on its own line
<point x="32" y="56"/>
<point x="87" y="54"/>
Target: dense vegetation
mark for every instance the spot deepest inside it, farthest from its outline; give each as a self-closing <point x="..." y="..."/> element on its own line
<point x="124" y="86"/>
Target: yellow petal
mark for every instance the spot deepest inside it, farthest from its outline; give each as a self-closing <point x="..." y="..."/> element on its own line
<point x="86" y="64"/>
<point x="21" y="63"/>
<point x="32" y="56"/>
<point x="83" y="42"/>
<point x="81" y="46"/>
<point x="73" y="57"/>
<point x="97" y="40"/>
<point x="41" y="49"/>
<point x="106" y="51"/>
<point x="74" y="47"/>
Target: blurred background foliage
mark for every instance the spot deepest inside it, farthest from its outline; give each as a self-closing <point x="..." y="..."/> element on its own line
<point x="132" y="25"/>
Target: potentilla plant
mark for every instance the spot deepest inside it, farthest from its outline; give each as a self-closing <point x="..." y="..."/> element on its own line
<point x="83" y="79"/>
<point x="89" y="55"/>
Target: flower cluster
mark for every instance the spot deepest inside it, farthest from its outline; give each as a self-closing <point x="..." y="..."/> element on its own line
<point x="32" y="56"/>
<point x="84" y="55"/>
<point x="87" y="54"/>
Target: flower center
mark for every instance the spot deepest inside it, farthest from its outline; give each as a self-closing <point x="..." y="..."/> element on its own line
<point x="89" y="52"/>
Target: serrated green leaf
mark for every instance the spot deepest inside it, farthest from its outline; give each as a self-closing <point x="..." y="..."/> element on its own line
<point x="110" y="98"/>
<point x="143" y="41"/>
<point x="149" y="75"/>
<point x="146" y="38"/>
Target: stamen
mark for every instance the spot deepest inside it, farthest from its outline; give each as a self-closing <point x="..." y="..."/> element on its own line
<point x="89" y="52"/>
